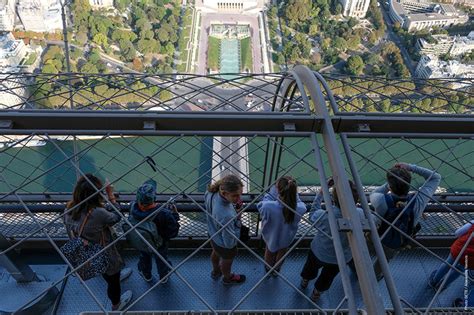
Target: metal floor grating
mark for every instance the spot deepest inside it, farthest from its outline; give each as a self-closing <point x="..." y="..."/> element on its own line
<point x="410" y="270"/>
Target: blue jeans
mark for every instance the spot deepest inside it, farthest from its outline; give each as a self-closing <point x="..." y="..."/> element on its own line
<point x="438" y="275"/>
<point x="444" y="270"/>
<point x="145" y="261"/>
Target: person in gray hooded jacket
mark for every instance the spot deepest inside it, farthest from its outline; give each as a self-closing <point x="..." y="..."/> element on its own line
<point x="322" y="255"/>
<point x="220" y="199"/>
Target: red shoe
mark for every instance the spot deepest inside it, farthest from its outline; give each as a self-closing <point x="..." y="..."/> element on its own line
<point x="234" y="279"/>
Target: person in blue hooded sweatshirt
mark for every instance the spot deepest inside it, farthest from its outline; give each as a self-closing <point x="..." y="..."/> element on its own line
<point x="219" y="200"/>
<point x="281" y="210"/>
<point x="144" y="206"/>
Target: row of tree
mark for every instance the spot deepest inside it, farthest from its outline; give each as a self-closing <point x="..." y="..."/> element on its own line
<point x="318" y="23"/>
<point x="150" y="27"/>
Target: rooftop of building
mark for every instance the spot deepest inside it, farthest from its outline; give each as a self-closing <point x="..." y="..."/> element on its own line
<point x="425" y="10"/>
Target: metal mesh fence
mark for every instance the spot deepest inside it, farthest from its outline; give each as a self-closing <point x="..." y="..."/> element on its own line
<point x="38" y="167"/>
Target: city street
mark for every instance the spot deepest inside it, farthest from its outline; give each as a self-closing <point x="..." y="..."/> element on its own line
<point x="394" y="38"/>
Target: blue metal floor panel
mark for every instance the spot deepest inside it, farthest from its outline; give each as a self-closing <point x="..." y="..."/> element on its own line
<point x="410" y="270"/>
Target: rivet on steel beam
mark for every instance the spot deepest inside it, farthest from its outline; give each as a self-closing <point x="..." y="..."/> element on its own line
<point x="289" y="126"/>
<point x="363" y="127"/>
<point x="149" y="125"/>
<point x="6" y="124"/>
<point x="344" y="225"/>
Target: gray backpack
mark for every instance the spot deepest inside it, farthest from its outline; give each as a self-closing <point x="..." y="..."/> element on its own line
<point x="147" y="229"/>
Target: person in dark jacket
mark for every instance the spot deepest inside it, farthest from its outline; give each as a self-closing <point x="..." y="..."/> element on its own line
<point x="143" y="207"/>
<point x="88" y="202"/>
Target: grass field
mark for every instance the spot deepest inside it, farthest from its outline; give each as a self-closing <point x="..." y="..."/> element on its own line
<point x="245" y="55"/>
<point x="213" y="53"/>
<point x="184" y="38"/>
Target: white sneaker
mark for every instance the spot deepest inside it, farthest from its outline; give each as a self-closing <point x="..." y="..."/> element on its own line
<point x="125" y="299"/>
<point x="165" y="280"/>
<point x="125" y="273"/>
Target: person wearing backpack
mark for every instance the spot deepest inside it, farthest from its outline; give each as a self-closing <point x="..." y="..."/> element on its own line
<point x="281" y="210"/>
<point x="162" y="225"/>
<point x="87" y="210"/>
<point x="444" y="270"/>
<point x="219" y="201"/>
<point x="321" y="263"/>
<point x="393" y="198"/>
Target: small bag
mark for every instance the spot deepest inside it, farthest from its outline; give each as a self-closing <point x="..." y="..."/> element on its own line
<point x="147" y="230"/>
<point x="244" y="233"/>
<point x="78" y="250"/>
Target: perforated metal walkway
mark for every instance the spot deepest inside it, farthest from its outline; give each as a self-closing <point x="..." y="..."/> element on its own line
<point x="410" y="270"/>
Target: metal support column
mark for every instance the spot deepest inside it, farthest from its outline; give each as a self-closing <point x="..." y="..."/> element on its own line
<point x="357" y="242"/>
<point x="19" y="270"/>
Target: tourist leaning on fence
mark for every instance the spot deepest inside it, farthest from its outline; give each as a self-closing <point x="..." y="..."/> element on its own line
<point x="162" y="227"/>
<point x="467" y="259"/>
<point x="322" y="255"/>
<point x="219" y="200"/>
<point x="98" y="230"/>
<point x="281" y="210"/>
<point x="390" y="199"/>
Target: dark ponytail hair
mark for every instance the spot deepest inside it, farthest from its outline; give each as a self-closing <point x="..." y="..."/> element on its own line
<point x="82" y="191"/>
<point x="230" y="183"/>
<point x="287" y="190"/>
<point x="355" y="195"/>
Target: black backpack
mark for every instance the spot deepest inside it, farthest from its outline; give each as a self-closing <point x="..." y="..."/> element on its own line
<point x="168" y="226"/>
<point x="394" y="239"/>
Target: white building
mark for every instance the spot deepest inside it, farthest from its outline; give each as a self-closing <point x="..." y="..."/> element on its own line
<point x="444" y="44"/>
<point x="13" y="93"/>
<point x="430" y="67"/>
<point x="231" y="6"/>
<point x="7" y="15"/>
<point x="40" y="15"/>
<point x="99" y="4"/>
<point x="355" y="8"/>
<point x="463" y="44"/>
<point x="421" y="14"/>
<point x="467" y="3"/>
<point x="12" y="51"/>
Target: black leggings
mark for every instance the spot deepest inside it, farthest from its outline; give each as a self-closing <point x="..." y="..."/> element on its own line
<point x="311" y="269"/>
<point x="113" y="287"/>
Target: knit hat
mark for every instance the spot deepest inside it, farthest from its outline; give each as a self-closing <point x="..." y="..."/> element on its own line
<point x="146" y="192"/>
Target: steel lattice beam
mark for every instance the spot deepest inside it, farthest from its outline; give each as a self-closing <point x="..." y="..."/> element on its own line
<point x="228" y="123"/>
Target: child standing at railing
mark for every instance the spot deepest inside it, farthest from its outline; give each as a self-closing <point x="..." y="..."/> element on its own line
<point x="281" y="210"/>
<point x="220" y="199"/>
